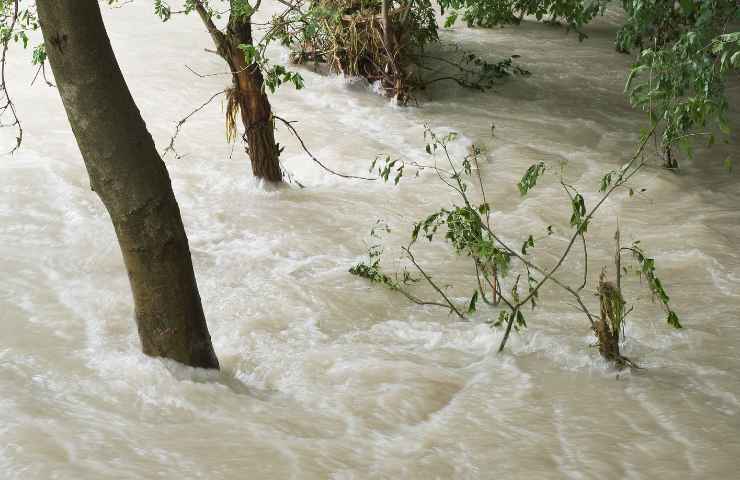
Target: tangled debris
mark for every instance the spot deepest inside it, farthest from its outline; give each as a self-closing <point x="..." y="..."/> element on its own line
<point x="384" y="41"/>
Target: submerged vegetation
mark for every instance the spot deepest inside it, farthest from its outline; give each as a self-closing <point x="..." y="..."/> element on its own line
<point x="493" y="332"/>
<point x="684" y="53"/>
<point x="505" y="277"/>
<point x="385" y="42"/>
<point x="372" y="39"/>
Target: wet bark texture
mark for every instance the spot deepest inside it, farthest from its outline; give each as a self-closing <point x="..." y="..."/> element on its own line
<point x="248" y="88"/>
<point x="607" y="327"/>
<point x="130" y="178"/>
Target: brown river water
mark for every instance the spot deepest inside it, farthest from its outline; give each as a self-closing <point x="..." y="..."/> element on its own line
<point x="325" y="376"/>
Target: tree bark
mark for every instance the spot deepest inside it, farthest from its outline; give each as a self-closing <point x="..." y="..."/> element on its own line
<point x="130" y="178"/>
<point x="257" y="119"/>
<point x="248" y="88"/>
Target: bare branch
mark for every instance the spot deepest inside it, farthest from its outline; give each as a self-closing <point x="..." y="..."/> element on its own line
<point x="42" y="71"/>
<point x="311" y="155"/>
<point x="434" y="285"/>
<point x="171" y="146"/>
<point x="9" y="105"/>
<point x="219" y="39"/>
<point x="509" y="324"/>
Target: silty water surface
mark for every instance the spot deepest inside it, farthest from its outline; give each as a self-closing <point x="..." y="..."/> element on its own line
<point x="323" y="375"/>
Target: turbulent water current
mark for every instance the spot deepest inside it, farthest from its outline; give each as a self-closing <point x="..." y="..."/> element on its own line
<point x="325" y="376"/>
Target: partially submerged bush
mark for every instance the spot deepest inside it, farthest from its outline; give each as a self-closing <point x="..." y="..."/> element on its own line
<point x="686" y="53"/>
<point x="506" y="278"/>
<point x="362" y="38"/>
<point x="383" y="41"/>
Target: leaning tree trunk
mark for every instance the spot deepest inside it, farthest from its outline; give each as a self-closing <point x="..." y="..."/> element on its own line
<point x="247" y="94"/>
<point x="253" y="104"/>
<point x="129" y="176"/>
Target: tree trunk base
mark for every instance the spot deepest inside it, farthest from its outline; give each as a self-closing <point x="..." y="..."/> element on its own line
<point x="263" y="152"/>
<point x="670" y="160"/>
<point x="608" y="344"/>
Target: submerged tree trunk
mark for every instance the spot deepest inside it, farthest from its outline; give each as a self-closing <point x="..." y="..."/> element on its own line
<point x="670" y="160"/>
<point x="247" y="94"/>
<point x="130" y="178"/>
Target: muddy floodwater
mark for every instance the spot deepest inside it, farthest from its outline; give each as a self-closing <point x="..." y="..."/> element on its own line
<point x="325" y="376"/>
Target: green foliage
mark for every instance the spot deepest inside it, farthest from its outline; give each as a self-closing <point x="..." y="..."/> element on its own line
<point x="17" y="21"/>
<point x="606" y="181"/>
<point x="489" y="13"/>
<point x="529" y="180"/>
<point x="473" y="302"/>
<point x="350" y="38"/>
<point x="647" y="271"/>
<point x="479" y="74"/>
<point x="324" y="22"/>
<point x="520" y="323"/>
<point x="682" y="85"/>
<point x="274" y="75"/>
<point x="372" y="272"/>
<point x="17" y="24"/>
<point x="529" y="242"/>
<point x="579" y="217"/>
<point x="467" y="229"/>
<point x="254" y="54"/>
<point x="660" y="23"/>
<point x="388" y="167"/>
<point x="38" y="57"/>
<point x="686" y="51"/>
<point x="162" y="10"/>
<point x="466" y="234"/>
<point x="242" y="9"/>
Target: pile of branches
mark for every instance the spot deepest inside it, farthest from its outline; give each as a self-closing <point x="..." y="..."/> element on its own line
<point x="382" y="41"/>
<point x="374" y="39"/>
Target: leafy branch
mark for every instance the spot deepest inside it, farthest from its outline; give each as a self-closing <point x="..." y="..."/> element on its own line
<point x="468" y="230"/>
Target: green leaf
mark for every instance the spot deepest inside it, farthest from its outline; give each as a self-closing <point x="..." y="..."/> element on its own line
<point x="415" y="232"/>
<point x="735" y="59"/>
<point x="520" y="322"/>
<point x="473" y="301"/>
<point x="162" y="10"/>
<point x="577" y="219"/>
<point x="503" y="317"/>
<point x="528" y="243"/>
<point x="673" y="320"/>
<point x="529" y="180"/>
<point x="606" y="181"/>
